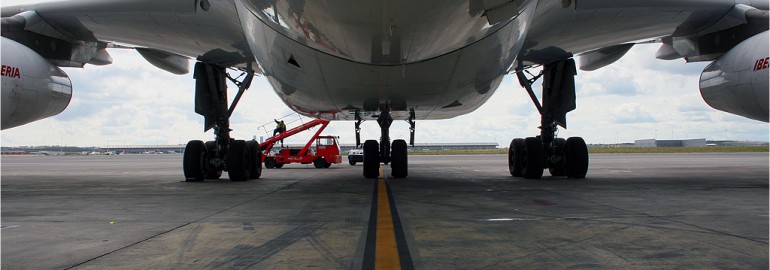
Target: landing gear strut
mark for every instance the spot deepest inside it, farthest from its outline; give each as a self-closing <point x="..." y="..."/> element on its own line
<point x="358" y="128"/>
<point x="529" y="157"/>
<point x="242" y="160"/>
<point x="411" y="127"/>
<point x="383" y="152"/>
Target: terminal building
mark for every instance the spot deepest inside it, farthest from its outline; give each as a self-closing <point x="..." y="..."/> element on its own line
<point x="670" y="143"/>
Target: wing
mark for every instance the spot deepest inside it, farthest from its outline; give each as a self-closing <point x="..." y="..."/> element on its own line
<point x="731" y="35"/>
<point x="73" y="33"/>
<point x="695" y="30"/>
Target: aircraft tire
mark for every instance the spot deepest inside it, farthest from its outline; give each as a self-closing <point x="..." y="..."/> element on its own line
<point x="515" y="156"/>
<point x="193" y="161"/>
<point x="237" y="161"/>
<point x="576" y="157"/>
<point x="559" y="169"/>
<point x="399" y="159"/>
<point x="255" y="159"/>
<point x="371" y="159"/>
<point x="212" y="172"/>
<point x="534" y="158"/>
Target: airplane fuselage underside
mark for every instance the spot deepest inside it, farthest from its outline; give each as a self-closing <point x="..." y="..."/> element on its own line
<point x="441" y="59"/>
<point x="332" y="78"/>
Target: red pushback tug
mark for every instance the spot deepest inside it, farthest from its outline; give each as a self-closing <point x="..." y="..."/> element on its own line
<point x="326" y="152"/>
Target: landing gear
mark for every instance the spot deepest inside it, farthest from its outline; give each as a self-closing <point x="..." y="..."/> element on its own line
<point x="529" y="157"/>
<point x="371" y="159"/>
<point x="254" y="159"/>
<point x="411" y="126"/>
<point x="398" y="161"/>
<point x="213" y="171"/>
<point x="516" y="157"/>
<point x="194" y="161"/>
<point x="385" y="120"/>
<point x="558" y="167"/>
<point x="533" y="162"/>
<point x="237" y="161"/>
<point x="383" y="152"/>
<point x="242" y="160"/>
<point x="576" y="158"/>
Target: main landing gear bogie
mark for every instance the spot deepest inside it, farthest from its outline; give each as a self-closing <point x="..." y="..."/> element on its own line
<point x="527" y="158"/>
<point x="243" y="161"/>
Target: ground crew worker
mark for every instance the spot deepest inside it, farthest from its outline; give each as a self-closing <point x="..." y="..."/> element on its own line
<point x="280" y="127"/>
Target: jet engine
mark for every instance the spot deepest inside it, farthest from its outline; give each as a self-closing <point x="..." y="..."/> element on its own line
<point x="32" y="87"/>
<point x="737" y="82"/>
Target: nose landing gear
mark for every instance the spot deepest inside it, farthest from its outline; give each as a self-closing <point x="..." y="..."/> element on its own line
<point x="394" y="154"/>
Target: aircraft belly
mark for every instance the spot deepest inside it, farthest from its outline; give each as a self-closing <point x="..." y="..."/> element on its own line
<point x="316" y="83"/>
<point x="385" y="32"/>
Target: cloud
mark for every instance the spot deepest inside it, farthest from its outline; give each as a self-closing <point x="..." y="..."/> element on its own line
<point x="605" y="84"/>
<point x="631" y="114"/>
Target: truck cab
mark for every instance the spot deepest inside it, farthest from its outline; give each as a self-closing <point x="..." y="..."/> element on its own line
<point x="328" y="148"/>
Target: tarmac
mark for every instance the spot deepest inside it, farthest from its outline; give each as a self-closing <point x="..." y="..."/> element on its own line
<point x="634" y="211"/>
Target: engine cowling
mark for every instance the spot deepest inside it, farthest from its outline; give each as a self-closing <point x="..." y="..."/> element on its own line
<point x="737" y="82"/>
<point x="32" y="87"/>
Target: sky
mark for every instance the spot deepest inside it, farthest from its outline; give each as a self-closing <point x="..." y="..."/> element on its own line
<point x="639" y="97"/>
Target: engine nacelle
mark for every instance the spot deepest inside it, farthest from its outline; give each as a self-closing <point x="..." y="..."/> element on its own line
<point x="32" y="87"/>
<point x="737" y="82"/>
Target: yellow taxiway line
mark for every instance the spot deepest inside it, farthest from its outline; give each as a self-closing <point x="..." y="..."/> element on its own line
<point x="386" y="250"/>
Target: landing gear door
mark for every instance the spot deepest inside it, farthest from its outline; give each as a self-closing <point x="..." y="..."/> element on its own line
<point x="559" y="90"/>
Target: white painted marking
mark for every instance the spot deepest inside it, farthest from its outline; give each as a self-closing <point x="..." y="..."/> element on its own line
<point x="509" y="219"/>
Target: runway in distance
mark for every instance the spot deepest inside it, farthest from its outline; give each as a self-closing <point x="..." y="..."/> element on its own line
<point x="383" y="61"/>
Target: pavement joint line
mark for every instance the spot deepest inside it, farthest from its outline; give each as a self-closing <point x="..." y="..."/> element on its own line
<point x="172" y="229"/>
<point x="658" y="217"/>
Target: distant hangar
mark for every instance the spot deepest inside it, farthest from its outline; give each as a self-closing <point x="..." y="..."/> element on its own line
<point x="670" y="143"/>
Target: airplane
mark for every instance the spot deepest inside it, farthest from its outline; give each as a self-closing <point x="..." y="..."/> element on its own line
<point x="382" y="60"/>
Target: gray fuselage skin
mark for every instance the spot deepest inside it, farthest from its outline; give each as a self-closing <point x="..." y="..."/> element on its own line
<point x="434" y="57"/>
